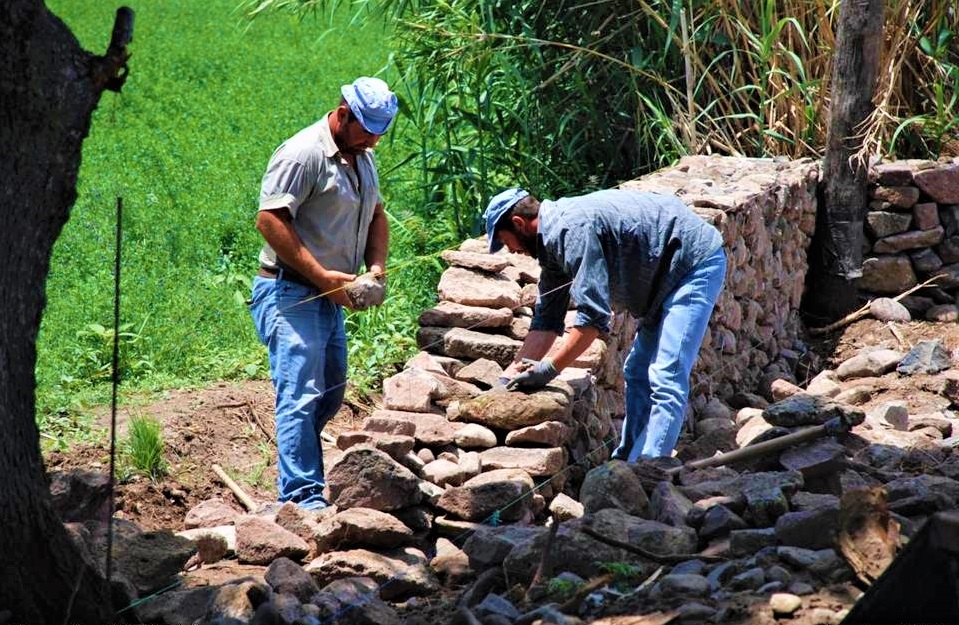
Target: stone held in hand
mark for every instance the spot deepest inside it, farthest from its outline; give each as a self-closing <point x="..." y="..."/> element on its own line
<point x="369" y="289"/>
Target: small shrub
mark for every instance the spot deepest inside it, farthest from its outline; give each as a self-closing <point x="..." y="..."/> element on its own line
<point x="142" y="450"/>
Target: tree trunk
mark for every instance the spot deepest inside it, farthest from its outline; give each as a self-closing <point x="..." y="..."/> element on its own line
<point x="836" y="256"/>
<point x="49" y="87"/>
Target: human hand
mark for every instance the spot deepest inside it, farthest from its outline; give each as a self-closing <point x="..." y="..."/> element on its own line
<point x="367" y="290"/>
<point x="535" y="376"/>
<point x="333" y="285"/>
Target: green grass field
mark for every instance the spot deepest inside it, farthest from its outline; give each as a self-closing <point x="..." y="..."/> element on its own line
<point x="208" y="98"/>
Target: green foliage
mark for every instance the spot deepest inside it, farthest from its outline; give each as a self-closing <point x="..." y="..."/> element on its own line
<point x="625" y="575"/>
<point x="142" y="448"/>
<point x="560" y="590"/>
<point x="93" y="354"/>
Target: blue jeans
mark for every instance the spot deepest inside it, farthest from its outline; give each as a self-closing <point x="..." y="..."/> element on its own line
<point x="658" y="365"/>
<point x="307" y="349"/>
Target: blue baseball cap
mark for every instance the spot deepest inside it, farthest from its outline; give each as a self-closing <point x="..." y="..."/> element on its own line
<point x="372" y="102"/>
<point x="497" y="207"/>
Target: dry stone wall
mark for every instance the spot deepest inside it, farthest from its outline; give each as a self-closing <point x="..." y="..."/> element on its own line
<point x="766" y="212"/>
<point x="912" y="234"/>
<point x="441" y="420"/>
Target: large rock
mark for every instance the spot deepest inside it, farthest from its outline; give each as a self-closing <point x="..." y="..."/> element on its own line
<point x="355" y="600"/>
<point x="803" y="410"/>
<point x="536" y="462"/>
<point x="286" y="576"/>
<point x="361" y="527"/>
<point x="472" y="288"/>
<point x="504" y="490"/>
<point x="79" y="496"/>
<point x="210" y="513"/>
<point x="261" y="541"/>
<point x="432" y="430"/>
<point x="368" y="478"/>
<point x="490" y="263"/>
<point x="475" y="436"/>
<point x="410" y="390"/>
<point x="652" y="536"/>
<point x="814" y="459"/>
<point x="914" y="239"/>
<point x="929" y="357"/>
<point x="809" y="529"/>
<point x="869" y="364"/>
<point x="489" y="546"/>
<point x="399" y="573"/>
<point x="614" y="485"/>
<point x="176" y="606"/>
<point x="469" y="345"/>
<point x="579" y="553"/>
<point x="237" y="602"/>
<point x="766" y="493"/>
<point x="482" y="371"/>
<point x="453" y="315"/>
<point x="147" y="560"/>
<point x="939" y="183"/>
<point x="508" y="410"/>
<point x="883" y="224"/>
<point x="669" y="505"/>
<point x="548" y="433"/>
<point x="397" y="447"/>
<point x="890" y="274"/>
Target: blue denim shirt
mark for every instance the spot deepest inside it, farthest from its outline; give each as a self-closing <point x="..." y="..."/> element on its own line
<point x="615" y="249"/>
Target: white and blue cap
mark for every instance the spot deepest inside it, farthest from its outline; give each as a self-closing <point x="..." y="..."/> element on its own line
<point x="497" y="207"/>
<point x="372" y="102"/>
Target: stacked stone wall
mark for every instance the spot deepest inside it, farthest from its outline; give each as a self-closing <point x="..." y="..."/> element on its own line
<point x="912" y="235"/>
<point x="458" y="428"/>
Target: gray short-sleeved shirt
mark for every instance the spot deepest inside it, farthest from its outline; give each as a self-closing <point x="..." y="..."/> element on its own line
<point x="331" y="207"/>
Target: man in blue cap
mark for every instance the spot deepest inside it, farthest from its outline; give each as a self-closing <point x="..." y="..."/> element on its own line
<point x="636" y="252"/>
<point x="321" y="215"/>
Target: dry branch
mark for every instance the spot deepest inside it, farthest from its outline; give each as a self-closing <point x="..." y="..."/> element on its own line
<point x="862" y="312"/>
<point x="245" y="499"/>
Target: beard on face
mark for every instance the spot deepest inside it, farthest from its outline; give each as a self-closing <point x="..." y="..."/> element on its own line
<point x="530" y="243"/>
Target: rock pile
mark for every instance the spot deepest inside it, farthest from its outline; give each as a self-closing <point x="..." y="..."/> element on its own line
<point x="913" y="234"/>
<point x="772" y="534"/>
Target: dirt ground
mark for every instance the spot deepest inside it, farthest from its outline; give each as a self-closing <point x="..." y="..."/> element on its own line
<point x="229" y="424"/>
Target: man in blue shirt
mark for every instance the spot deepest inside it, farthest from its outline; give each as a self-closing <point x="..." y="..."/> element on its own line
<point x="637" y="252"/>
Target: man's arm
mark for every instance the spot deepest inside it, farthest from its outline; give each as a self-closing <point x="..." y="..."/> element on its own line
<point x="276" y="226"/>
<point x="377" y="241"/>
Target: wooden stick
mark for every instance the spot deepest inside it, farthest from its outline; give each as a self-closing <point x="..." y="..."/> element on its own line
<point x="862" y="312"/>
<point x="245" y="499"/>
<point x="896" y="333"/>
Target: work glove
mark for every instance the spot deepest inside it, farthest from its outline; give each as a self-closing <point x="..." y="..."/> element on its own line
<point x="367" y="290"/>
<point x="537" y="376"/>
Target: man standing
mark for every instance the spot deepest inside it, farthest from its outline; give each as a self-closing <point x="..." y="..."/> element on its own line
<point x="637" y="252"/>
<point x="321" y="215"/>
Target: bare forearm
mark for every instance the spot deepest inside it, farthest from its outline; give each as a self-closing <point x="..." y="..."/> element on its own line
<point x="576" y="342"/>
<point x="277" y="229"/>
<point x="535" y="346"/>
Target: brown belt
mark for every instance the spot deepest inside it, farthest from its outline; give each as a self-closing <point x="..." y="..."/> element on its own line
<point x="284" y="274"/>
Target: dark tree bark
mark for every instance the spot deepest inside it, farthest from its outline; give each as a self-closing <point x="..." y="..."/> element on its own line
<point x="49" y="88"/>
<point x="836" y="256"/>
